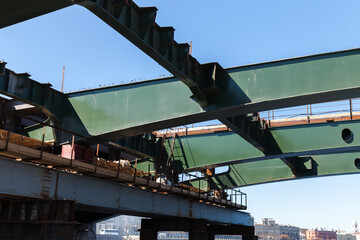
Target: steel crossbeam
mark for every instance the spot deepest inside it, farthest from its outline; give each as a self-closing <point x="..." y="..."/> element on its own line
<point x="197" y="152"/>
<point x="137" y="24"/>
<point x="25" y="180"/>
<point x="303" y="151"/>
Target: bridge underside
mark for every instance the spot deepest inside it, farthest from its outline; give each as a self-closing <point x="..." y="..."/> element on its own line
<point x="310" y="150"/>
<point x="122" y="123"/>
<point x="94" y="199"/>
<point x="254" y="152"/>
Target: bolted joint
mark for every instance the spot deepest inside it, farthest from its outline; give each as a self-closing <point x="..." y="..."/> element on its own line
<point x="212" y="81"/>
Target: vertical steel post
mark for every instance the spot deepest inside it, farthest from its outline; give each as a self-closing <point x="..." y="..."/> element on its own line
<point x="7" y="142"/>
<point x="62" y="82"/>
<point x="189" y="182"/>
<point x="72" y="150"/>
<point x="207" y="188"/>
<point x="172" y="180"/>
<point x="149" y="177"/>
<point x="232" y="194"/>
<point x="182" y="182"/>
<point x="199" y="186"/>
<point x="269" y="121"/>
<point x="245" y="200"/>
<point x="307" y="113"/>
<point x="42" y="142"/>
<point x="135" y="171"/>
<point x="118" y="169"/>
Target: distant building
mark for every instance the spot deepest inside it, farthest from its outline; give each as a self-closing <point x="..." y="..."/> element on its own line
<point x="290" y="232"/>
<point x="357" y="235"/>
<point x="303" y="233"/>
<point x="342" y="236"/>
<point x="320" y="234"/>
<point x="269" y="229"/>
<point x="355" y="226"/>
<point x="118" y="227"/>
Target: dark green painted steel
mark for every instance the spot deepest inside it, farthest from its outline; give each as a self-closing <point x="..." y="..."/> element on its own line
<point x="15" y="11"/>
<point x="295" y="79"/>
<point x="22" y="87"/>
<point x="276" y="170"/>
<point x="37" y="131"/>
<point x="252" y="129"/>
<point x="194" y="152"/>
<point x="141" y="146"/>
<point x="138" y="25"/>
<point x="129" y="110"/>
<point x="134" y="109"/>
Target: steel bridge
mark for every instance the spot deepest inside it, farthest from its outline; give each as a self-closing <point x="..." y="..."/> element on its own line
<point x="44" y="194"/>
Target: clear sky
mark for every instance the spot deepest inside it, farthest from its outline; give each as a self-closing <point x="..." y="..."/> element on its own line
<point x="230" y="32"/>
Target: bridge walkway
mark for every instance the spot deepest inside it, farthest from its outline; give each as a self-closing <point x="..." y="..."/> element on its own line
<point x="19" y="152"/>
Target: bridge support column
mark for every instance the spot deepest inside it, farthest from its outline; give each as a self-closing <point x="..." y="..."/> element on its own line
<point x="198" y="229"/>
<point x="148" y="234"/>
<point x="247" y="232"/>
<point x="199" y="236"/>
<point x="36" y="219"/>
<point x="249" y="238"/>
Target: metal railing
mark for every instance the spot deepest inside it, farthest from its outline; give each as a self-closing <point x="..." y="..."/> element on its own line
<point x="219" y="193"/>
<point x="204" y="189"/>
<point x="346" y="108"/>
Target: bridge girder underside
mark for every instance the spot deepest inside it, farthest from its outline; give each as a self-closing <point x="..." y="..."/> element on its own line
<point x="209" y="92"/>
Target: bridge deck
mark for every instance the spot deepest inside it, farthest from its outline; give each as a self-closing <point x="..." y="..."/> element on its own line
<point x="92" y="194"/>
<point x="23" y="153"/>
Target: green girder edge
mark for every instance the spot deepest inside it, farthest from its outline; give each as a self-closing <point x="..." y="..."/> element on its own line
<point x="323" y="142"/>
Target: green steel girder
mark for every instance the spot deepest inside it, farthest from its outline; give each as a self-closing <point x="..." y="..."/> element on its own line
<point x="273" y="170"/>
<point x="256" y="132"/>
<point x="198" y="152"/>
<point x="134" y="109"/>
<point x="304" y="151"/>
<point x="39" y="130"/>
<point x="41" y="95"/>
<point x="252" y="129"/>
<point x="300" y="166"/>
<point x="321" y="151"/>
<point x="209" y="83"/>
<point x="137" y="108"/>
<point x="142" y="146"/>
<point x="15" y="11"/>
<point x="51" y="102"/>
<point x="138" y="25"/>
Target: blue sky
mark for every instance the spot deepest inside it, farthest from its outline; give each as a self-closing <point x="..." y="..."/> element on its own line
<point x="230" y="32"/>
